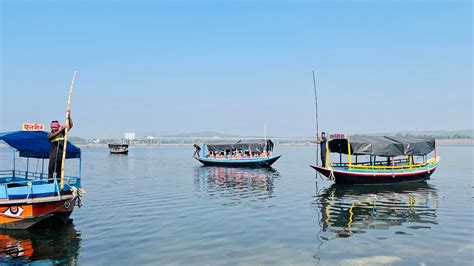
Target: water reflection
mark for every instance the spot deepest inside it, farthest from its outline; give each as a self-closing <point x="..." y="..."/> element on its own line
<point x="238" y="183"/>
<point x="349" y="210"/>
<point x="51" y="245"/>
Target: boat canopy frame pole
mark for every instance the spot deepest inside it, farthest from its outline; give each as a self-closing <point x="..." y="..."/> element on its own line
<point x="14" y="163"/>
<point x="80" y="167"/>
<point x="349" y="153"/>
<point x="42" y="169"/>
<point x="328" y="160"/>
<point x="27" y="166"/>
<point x="340" y="154"/>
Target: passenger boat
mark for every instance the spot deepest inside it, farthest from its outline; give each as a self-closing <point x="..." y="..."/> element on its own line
<point x="405" y="159"/>
<point x="247" y="153"/>
<point x="118" y="148"/>
<point x="26" y="195"/>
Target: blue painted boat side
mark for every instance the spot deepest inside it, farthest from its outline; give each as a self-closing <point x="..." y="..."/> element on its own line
<point x="244" y="162"/>
<point x="20" y="188"/>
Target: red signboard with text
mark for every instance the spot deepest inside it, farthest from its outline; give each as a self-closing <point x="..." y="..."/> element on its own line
<point x="337" y="136"/>
<point x="32" y="127"/>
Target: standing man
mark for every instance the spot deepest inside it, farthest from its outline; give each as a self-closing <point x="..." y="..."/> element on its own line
<point x="197" y="151"/>
<point x="322" y="141"/>
<point x="56" y="138"/>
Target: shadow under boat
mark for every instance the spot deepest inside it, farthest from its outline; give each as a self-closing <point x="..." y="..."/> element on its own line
<point x="347" y="210"/>
<point x="240" y="182"/>
<point x="50" y="244"/>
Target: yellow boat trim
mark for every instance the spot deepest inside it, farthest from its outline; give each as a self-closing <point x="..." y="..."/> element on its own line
<point x="37" y="200"/>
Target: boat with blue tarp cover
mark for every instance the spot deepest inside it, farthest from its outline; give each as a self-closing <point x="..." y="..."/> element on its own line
<point x="404" y="159"/>
<point x="243" y="153"/>
<point x="27" y="196"/>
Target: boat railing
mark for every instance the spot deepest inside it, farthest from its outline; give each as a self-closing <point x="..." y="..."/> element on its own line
<point x="29" y="175"/>
<point x="223" y="157"/>
<point x="381" y="165"/>
<point x="16" y="182"/>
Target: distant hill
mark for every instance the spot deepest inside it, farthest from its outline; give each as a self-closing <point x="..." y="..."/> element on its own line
<point x="203" y="134"/>
<point x="438" y="134"/>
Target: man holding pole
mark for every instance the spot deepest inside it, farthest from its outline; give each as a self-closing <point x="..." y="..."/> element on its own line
<point x="322" y="141"/>
<point x="56" y="138"/>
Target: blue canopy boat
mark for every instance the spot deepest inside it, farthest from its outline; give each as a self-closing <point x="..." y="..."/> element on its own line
<point x="28" y="197"/>
<point x="248" y="153"/>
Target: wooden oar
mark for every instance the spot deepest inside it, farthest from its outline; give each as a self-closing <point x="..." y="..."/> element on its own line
<point x="68" y="110"/>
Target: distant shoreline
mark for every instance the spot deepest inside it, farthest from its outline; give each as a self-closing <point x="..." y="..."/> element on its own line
<point x="447" y="142"/>
<point x="440" y="142"/>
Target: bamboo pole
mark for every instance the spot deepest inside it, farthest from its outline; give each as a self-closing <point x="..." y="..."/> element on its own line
<point x="66" y="129"/>
<point x="317" y="122"/>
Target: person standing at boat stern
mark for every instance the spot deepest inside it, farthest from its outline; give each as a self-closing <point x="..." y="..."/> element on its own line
<point x="197" y="151"/>
<point x="322" y="141"/>
<point x="56" y="138"/>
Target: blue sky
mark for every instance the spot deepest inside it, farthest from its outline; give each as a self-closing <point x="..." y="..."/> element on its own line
<point x="168" y="67"/>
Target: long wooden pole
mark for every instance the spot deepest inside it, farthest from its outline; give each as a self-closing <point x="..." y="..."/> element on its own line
<point x="317" y="121"/>
<point x="66" y="129"/>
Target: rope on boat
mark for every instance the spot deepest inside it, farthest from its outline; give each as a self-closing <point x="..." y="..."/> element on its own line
<point x="331" y="175"/>
<point x="77" y="194"/>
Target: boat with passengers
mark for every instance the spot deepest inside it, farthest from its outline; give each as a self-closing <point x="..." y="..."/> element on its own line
<point x="242" y="153"/>
<point x="115" y="148"/>
<point x="27" y="196"/>
<point x="379" y="159"/>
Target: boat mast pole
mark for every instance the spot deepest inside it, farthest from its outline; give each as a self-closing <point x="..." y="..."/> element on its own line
<point x="68" y="110"/>
<point x="317" y="122"/>
<point x="265" y="136"/>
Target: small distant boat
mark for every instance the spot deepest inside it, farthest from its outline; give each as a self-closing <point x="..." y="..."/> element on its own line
<point x="247" y="153"/>
<point x="405" y="159"/>
<point x="118" y="148"/>
<point x="27" y="197"/>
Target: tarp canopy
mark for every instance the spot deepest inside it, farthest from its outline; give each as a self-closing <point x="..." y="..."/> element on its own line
<point x="383" y="145"/>
<point x="416" y="146"/>
<point x="35" y="144"/>
<point x="245" y="145"/>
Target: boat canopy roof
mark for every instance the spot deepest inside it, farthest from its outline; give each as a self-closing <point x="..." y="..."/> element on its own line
<point x="35" y="144"/>
<point x="383" y="145"/>
<point x="248" y="145"/>
<point x="113" y="145"/>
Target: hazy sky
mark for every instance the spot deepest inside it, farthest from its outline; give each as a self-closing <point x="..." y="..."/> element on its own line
<point x="158" y="68"/>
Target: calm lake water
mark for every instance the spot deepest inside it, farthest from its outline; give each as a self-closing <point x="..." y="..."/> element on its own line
<point x="157" y="205"/>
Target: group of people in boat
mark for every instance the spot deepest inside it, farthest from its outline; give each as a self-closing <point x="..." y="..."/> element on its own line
<point x="237" y="155"/>
<point x="230" y="152"/>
